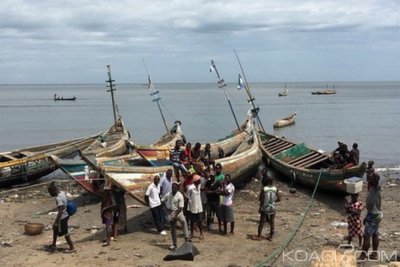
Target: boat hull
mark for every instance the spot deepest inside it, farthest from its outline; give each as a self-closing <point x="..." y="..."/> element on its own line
<point x="331" y="179"/>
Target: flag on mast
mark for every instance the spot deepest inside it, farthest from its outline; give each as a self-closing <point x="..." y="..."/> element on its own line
<point x="240" y="85"/>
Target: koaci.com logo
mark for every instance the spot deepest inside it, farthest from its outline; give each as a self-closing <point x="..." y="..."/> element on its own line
<point x="331" y="256"/>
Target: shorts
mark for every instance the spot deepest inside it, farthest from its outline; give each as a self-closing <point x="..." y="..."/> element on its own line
<point x="371" y="225"/>
<point x="196" y="217"/>
<point x="212" y="207"/>
<point x="62" y="229"/>
<point x="226" y="213"/>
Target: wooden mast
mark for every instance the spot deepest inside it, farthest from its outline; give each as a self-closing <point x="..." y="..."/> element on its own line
<point x="111" y="90"/>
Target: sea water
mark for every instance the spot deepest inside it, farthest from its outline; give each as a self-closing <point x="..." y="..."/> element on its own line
<point x="363" y="112"/>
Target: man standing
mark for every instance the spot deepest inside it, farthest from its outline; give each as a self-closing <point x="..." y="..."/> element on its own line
<point x="195" y="206"/>
<point x="268" y="196"/>
<point x="60" y="225"/>
<point x="226" y="210"/>
<point x="372" y="219"/>
<point x="152" y="198"/>
<point x="174" y="204"/>
<point x="355" y="154"/>
<point x="166" y="183"/>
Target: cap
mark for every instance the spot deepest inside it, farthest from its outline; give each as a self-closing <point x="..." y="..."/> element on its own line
<point x="177" y="183"/>
<point x="196" y="177"/>
<point x="106" y="187"/>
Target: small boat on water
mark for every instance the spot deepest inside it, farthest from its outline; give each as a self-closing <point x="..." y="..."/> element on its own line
<point x="304" y="165"/>
<point x="285" y="92"/>
<point x="324" y="92"/>
<point x="29" y="164"/>
<point x="240" y="165"/>
<point x="61" y="98"/>
<point x="285" y="121"/>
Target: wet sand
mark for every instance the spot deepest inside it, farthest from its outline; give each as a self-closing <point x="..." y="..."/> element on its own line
<point x="141" y="246"/>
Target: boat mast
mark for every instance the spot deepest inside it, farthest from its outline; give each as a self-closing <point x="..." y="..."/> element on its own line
<point x="111" y="90"/>
<point x="247" y="89"/>
<point x="156" y="97"/>
<point x="222" y="85"/>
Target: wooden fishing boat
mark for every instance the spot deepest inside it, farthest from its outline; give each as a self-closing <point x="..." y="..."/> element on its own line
<point x="285" y="121"/>
<point x="240" y="165"/>
<point x="84" y="170"/>
<point x="303" y="164"/>
<point x="61" y="98"/>
<point x="324" y="92"/>
<point x="28" y="164"/>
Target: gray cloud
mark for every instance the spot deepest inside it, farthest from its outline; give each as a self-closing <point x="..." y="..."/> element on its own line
<point x="182" y="35"/>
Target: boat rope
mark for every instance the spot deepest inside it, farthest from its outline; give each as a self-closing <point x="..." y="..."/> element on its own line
<point x="166" y="109"/>
<point x="268" y="261"/>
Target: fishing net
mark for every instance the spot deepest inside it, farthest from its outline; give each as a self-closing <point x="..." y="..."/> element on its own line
<point x="293" y="152"/>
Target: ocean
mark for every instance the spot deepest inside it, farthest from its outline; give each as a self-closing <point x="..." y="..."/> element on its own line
<point x="363" y="112"/>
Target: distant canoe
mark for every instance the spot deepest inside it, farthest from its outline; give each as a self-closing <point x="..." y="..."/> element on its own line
<point x="61" y="98"/>
<point x="324" y="92"/>
<point x="285" y="121"/>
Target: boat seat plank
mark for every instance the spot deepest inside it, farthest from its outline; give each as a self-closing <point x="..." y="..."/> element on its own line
<point x="308" y="159"/>
<point x="280" y="149"/>
<point x="302" y="157"/>
<point x="269" y="147"/>
<point x="313" y="161"/>
<point x="8" y="156"/>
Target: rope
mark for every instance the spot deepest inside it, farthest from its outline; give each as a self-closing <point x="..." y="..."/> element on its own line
<point x="278" y="251"/>
<point x="169" y="113"/>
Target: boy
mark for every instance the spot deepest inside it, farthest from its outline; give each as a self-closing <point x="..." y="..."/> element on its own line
<point x="60" y="225"/>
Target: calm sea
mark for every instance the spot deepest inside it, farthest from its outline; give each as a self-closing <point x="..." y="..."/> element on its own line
<point x="364" y="112"/>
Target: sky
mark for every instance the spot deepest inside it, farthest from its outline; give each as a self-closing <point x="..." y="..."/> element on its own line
<point x="72" y="41"/>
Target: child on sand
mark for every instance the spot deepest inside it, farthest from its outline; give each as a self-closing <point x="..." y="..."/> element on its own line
<point x="353" y="210"/>
<point x="107" y="207"/>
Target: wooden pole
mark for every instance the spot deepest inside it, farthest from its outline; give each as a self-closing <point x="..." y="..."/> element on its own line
<point x="111" y="90"/>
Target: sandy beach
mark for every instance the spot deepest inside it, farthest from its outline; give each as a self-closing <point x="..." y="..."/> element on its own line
<point x="322" y="230"/>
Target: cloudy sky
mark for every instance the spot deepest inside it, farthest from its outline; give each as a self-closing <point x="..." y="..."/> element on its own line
<point x="71" y="41"/>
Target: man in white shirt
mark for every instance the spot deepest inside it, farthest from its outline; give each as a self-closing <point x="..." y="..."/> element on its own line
<point x="226" y="210"/>
<point x="174" y="203"/>
<point x="195" y="206"/>
<point x="152" y="198"/>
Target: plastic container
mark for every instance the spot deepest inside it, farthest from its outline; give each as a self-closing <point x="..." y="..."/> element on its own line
<point x="353" y="185"/>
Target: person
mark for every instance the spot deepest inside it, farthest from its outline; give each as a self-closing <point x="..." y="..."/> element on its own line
<point x="370" y="171"/>
<point x="196" y="157"/>
<point x="174" y="204"/>
<point x="355" y="154"/>
<point x="372" y="219"/>
<point x="60" y="225"/>
<point x="353" y="211"/>
<point x="212" y="187"/>
<point x="195" y="207"/>
<point x="175" y="157"/>
<point x="166" y="183"/>
<point x="206" y="157"/>
<point x="107" y="209"/>
<point x="165" y="188"/>
<point x="268" y="196"/>
<point x="186" y="156"/>
<point x="219" y="176"/>
<point x="120" y="217"/>
<point x="152" y="198"/>
<point x="226" y="209"/>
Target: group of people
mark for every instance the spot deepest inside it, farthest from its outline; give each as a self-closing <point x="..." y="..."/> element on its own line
<point x="372" y="219"/>
<point x="344" y="158"/>
<point x="200" y="195"/>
